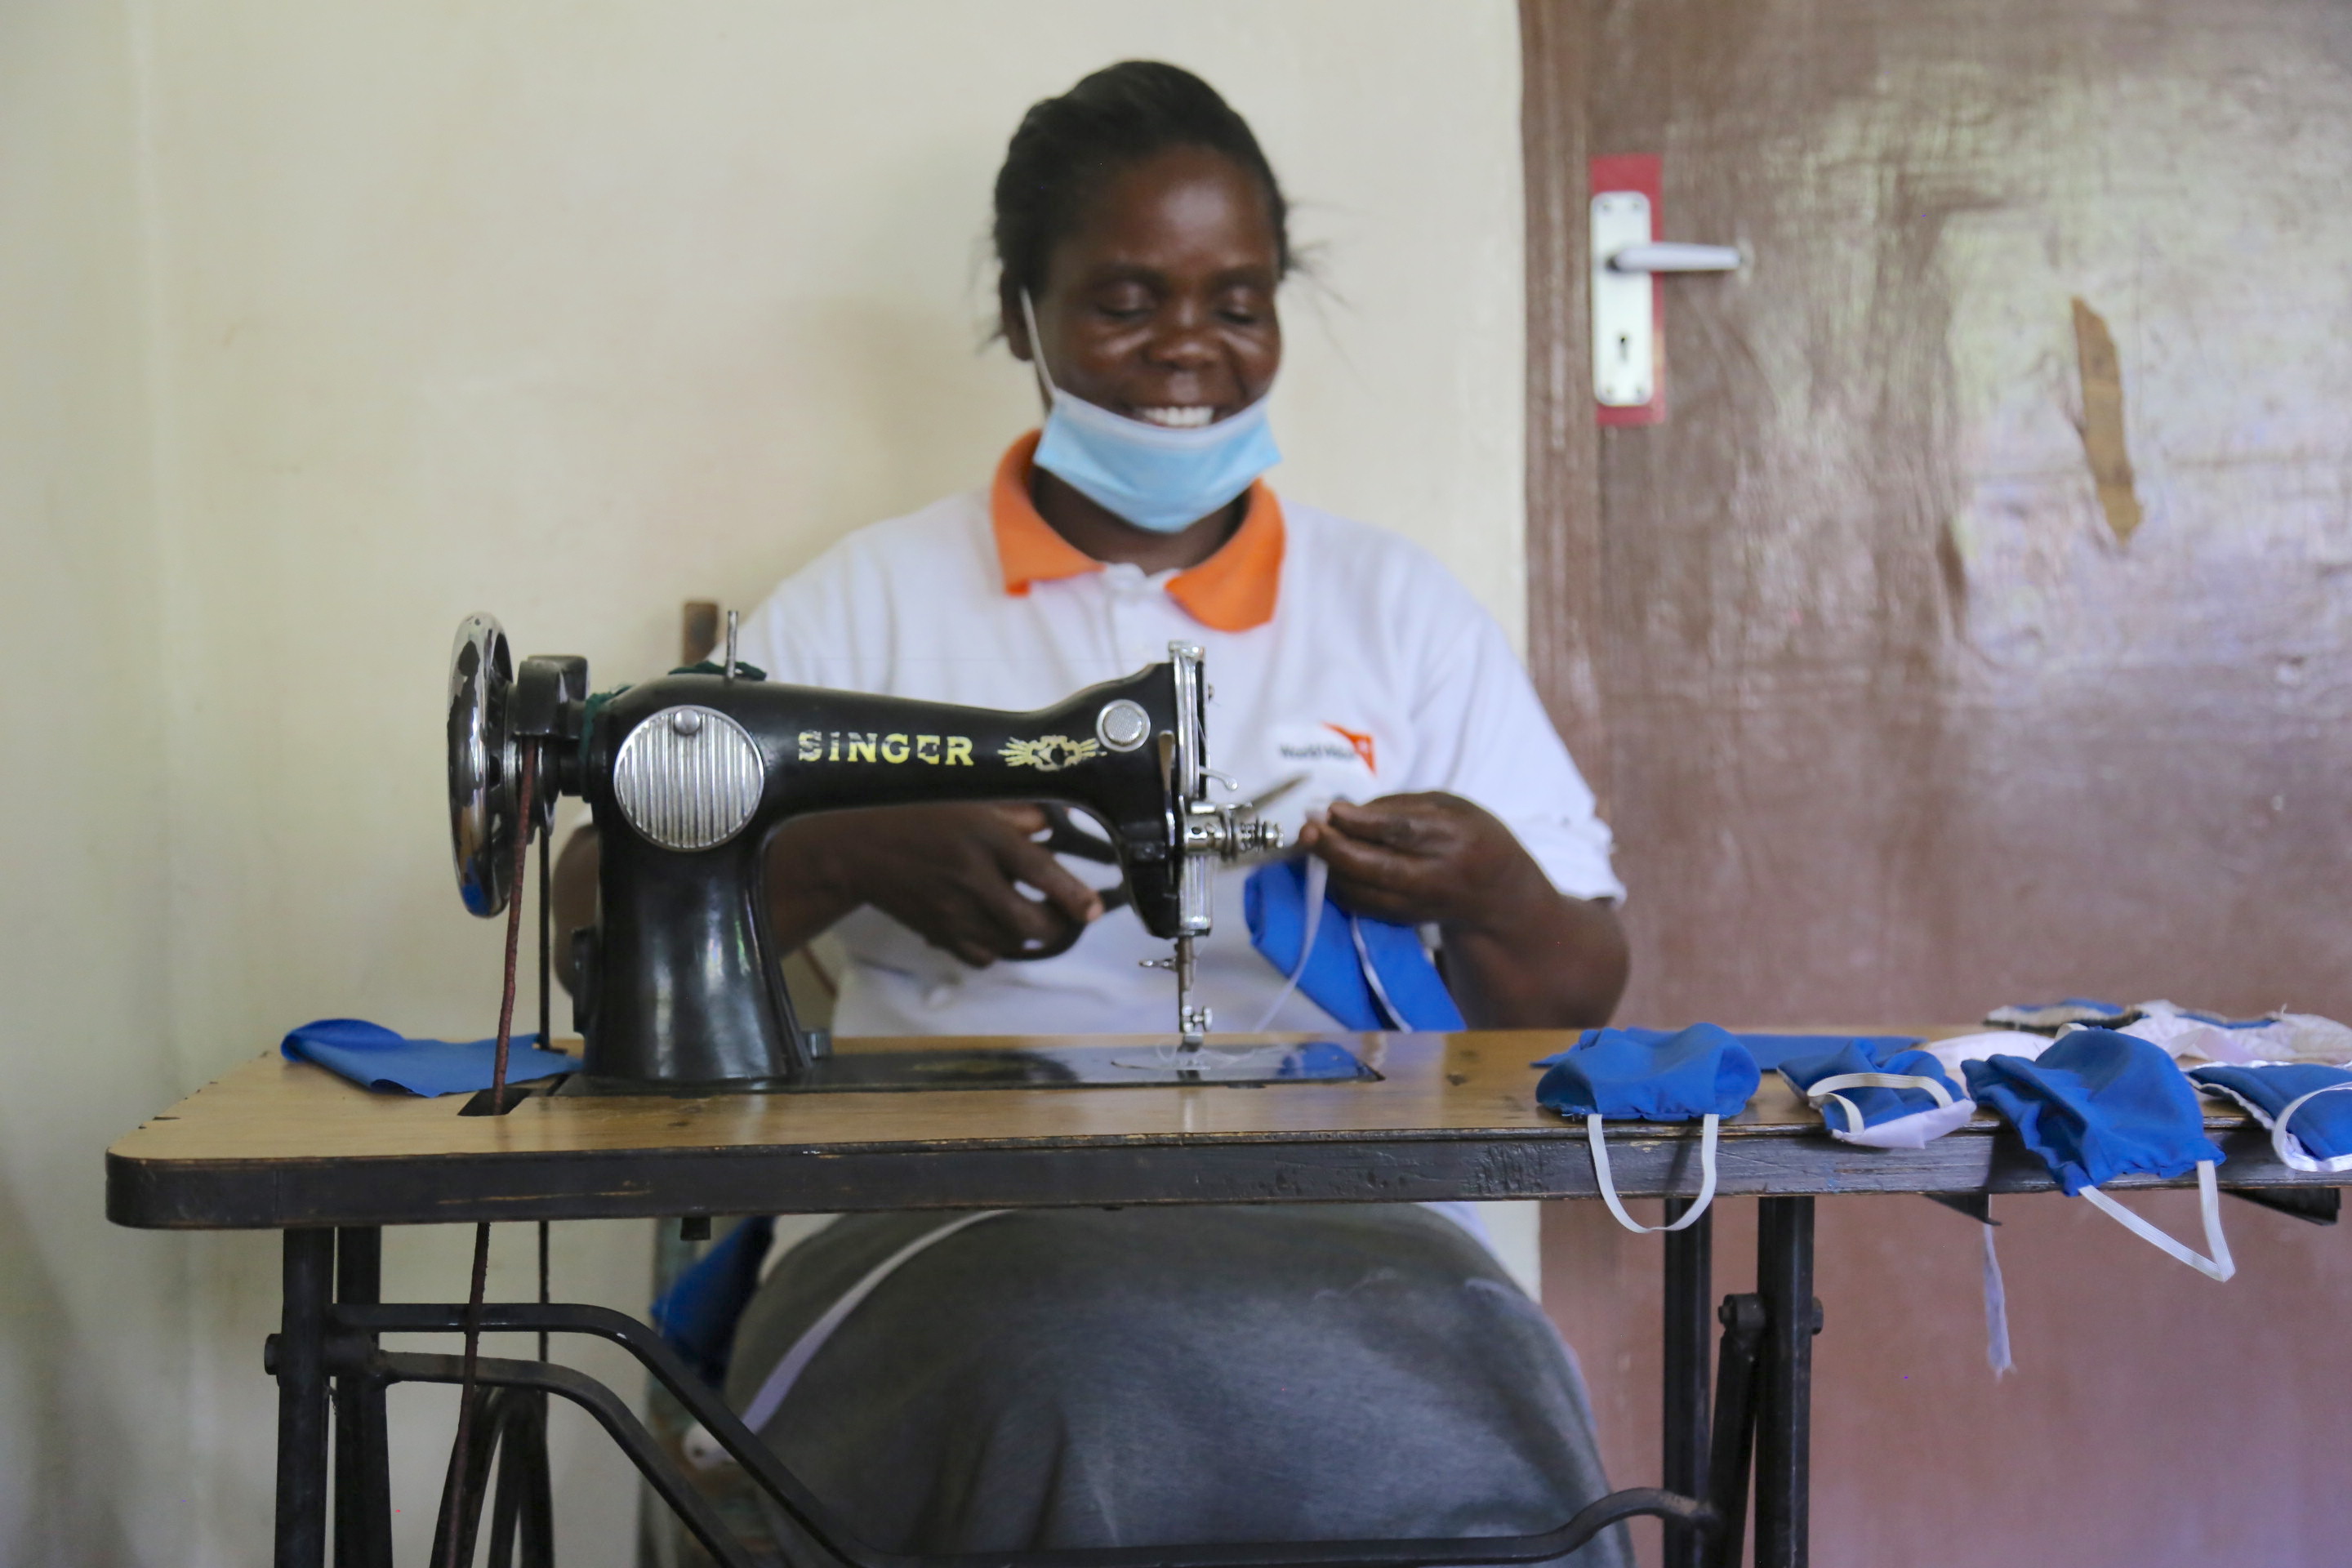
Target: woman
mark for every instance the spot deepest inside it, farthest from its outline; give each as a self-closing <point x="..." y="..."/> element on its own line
<point x="1050" y="1379"/>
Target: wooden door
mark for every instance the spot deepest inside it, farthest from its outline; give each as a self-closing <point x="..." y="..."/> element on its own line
<point x="1973" y="629"/>
<point x="1895" y="718"/>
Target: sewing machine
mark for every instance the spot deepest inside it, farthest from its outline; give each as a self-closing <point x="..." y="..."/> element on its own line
<point x="689" y="775"/>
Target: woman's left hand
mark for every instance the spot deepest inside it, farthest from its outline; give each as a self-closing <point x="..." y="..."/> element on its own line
<point x="1519" y="953"/>
<point x="1424" y="859"/>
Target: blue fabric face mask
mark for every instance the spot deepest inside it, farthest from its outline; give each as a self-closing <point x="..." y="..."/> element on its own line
<point x="2301" y="1104"/>
<point x="1367" y="973"/>
<point x="2099" y="1105"/>
<point x="1771" y="1050"/>
<point x="1879" y="1099"/>
<point x="1703" y="1072"/>
<point x="1157" y="479"/>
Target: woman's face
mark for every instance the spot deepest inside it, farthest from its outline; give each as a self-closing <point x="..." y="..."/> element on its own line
<point x="1158" y="304"/>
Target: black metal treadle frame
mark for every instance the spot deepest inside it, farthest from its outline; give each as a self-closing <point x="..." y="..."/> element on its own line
<point x="330" y="1365"/>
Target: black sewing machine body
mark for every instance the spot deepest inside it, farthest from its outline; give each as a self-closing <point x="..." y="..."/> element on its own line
<point x="689" y="775"/>
<point x="678" y="972"/>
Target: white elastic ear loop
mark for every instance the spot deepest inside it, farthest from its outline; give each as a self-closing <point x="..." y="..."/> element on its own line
<point x="1996" y="1303"/>
<point x="1827" y="1088"/>
<point x="1389" y="1009"/>
<point x="2290" y="1149"/>
<point x="1038" y="348"/>
<point x="1600" y="1142"/>
<point x="2209" y="1201"/>
<point x="1318" y="876"/>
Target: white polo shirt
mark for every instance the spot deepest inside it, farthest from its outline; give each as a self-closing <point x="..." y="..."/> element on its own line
<point x="1335" y="650"/>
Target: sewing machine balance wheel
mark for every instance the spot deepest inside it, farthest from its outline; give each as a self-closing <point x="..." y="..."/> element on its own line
<point x="485" y="765"/>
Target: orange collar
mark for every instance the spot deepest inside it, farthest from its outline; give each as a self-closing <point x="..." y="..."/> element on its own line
<point x="1232" y="591"/>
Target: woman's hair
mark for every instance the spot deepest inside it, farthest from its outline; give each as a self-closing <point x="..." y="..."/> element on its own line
<point x="1068" y="146"/>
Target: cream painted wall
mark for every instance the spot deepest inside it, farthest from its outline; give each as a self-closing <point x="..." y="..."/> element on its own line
<point x="348" y="319"/>
<point x="94" y="1345"/>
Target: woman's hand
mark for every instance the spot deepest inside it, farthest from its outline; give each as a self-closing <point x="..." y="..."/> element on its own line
<point x="947" y="872"/>
<point x="952" y="874"/>
<point x="1519" y="953"/>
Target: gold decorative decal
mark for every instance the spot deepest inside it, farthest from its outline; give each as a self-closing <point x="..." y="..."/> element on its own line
<point x="872" y="746"/>
<point x="1049" y="754"/>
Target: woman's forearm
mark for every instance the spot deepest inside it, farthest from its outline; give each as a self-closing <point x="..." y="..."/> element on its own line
<point x="804" y="897"/>
<point x="802" y="900"/>
<point x="1548" y="962"/>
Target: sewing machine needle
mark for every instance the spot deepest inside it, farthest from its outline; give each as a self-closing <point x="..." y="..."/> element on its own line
<point x="1191" y="1026"/>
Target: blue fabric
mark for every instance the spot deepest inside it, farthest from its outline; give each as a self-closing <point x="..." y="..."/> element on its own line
<point x="1619" y="1073"/>
<point x="697" y="1313"/>
<point x="372" y="1055"/>
<point x="2097" y="1105"/>
<point x="1321" y="1060"/>
<point x="1157" y="479"/>
<point x="2048" y="1017"/>
<point x="2219" y="1022"/>
<point x="1771" y="1050"/>
<point x="1274" y="900"/>
<point x="2324" y="1127"/>
<point x="1876" y="1105"/>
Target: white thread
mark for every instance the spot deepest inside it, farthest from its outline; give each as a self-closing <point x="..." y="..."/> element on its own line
<point x="1600" y="1141"/>
<point x="1996" y="1300"/>
<point x="1318" y="876"/>
<point x="765" y="1403"/>
<point x="2217" y="1266"/>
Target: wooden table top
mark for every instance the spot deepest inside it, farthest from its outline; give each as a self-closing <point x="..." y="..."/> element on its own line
<point x="275" y="1143"/>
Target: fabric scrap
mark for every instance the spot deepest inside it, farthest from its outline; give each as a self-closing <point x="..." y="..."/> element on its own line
<point x="376" y="1058"/>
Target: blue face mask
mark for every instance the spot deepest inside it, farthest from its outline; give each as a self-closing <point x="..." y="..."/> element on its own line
<point x="1157" y="479"/>
<point x="2099" y="1105"/>
<point x="1367" y="973"/>
<point x="1701" y="1072"/>
<point x="1879" y="1099"/>
<point x="2306" y="1094"/>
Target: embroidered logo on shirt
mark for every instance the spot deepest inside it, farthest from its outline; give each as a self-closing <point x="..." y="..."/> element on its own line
<point x="1049" y="754"/>
<point x="1358" y="740"/>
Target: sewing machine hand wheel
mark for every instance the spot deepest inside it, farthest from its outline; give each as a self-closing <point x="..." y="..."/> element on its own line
<point x="483" y="764"/>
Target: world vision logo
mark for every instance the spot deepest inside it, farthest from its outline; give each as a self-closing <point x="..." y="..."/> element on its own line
<point x="1049" y="754"/>
<point x="1352" y="746"/>
<point x="1361" y="743"/>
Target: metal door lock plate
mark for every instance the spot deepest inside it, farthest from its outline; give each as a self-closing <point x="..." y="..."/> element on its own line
<point x="1624" y="315"/>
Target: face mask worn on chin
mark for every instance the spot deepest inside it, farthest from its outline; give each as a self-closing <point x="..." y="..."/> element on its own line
<point x="1158" y="479"/>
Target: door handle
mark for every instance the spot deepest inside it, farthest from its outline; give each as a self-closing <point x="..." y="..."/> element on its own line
<point x="1672" y="255"/>
<point x="1627" y="258"/>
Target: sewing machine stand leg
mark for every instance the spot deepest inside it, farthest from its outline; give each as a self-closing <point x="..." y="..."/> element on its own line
<point x="328" y="1361"/>
<point x="1763" y="1396"/>
<point x="297" y="1356"/>
<point x="1690" y="1291"/>
<point x="362" y="1488"/>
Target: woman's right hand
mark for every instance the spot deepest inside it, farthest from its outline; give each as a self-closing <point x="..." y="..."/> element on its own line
<point x="955" y="875"/>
